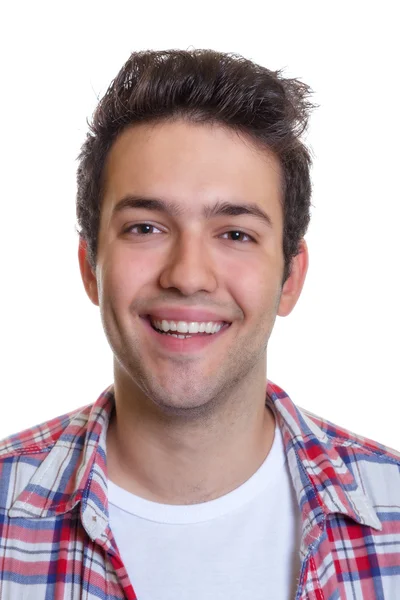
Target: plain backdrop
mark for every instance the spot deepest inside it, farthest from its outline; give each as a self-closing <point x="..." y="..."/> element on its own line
<point x="337" y="353"/>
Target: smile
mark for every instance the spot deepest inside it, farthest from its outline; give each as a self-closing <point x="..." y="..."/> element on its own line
<point x="186" y="327"/>
<point x="184" y="336"/>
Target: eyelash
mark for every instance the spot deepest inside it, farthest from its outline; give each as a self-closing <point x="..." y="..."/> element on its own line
<point x="129" y="230"/>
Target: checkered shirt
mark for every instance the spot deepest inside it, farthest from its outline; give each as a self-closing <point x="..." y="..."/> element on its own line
<point x="56" y="542"/>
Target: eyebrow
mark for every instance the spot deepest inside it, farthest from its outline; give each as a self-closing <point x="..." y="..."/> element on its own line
<point x="229" y="209"/>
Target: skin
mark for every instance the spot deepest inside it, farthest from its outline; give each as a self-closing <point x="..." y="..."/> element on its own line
<point x="200" y="420"/>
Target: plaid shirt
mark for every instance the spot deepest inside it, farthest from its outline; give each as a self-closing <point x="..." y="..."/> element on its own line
<point x="56" y="543"/>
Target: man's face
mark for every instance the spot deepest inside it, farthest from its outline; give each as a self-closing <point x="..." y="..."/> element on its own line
<point x="192" y="263"/>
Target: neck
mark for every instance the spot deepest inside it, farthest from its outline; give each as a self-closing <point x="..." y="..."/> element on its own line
<point x="188" y="460"/>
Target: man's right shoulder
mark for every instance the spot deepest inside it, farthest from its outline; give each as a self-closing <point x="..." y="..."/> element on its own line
<point x="41" y="438"/>
<point x="22" y="454"/>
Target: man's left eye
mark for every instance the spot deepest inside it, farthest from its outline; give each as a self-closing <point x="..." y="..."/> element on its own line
<point x="237" y="233"/>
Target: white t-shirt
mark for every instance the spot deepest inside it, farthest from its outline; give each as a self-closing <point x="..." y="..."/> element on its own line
<point x="242" y="546"/>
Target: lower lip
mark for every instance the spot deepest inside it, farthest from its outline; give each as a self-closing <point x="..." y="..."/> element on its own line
<point x="190" y="344"/>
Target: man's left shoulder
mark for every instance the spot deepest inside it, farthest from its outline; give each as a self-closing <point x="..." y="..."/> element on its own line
<point x="375" y="466"/>
<point x="341" y="437"/>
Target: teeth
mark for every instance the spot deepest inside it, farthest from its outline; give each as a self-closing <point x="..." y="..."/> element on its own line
<point x="180" y="337"/>
<point x="187" y="327"/>
<point x="183" y="327"/>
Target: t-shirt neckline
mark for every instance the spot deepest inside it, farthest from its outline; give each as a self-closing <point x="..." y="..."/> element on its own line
<point x="265" y="476"/>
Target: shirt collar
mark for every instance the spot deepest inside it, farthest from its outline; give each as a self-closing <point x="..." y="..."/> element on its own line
<point x="74" y="471"/>
<point x="323" y="483"/>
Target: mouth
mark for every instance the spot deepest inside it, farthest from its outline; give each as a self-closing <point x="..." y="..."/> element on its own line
<point x="202" y="329"/>
<point x="184" y="342"/>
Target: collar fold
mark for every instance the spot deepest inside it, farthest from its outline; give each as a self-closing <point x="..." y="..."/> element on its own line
<point x="323" y="483"/>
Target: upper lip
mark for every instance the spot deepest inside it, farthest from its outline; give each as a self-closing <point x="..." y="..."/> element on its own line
<point x="185" y="314"/>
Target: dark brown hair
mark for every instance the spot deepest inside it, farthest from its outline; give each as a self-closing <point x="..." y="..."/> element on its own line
<point x="203" y="86"/>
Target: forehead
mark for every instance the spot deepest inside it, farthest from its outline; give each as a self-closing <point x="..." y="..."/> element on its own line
<point x="193" y="165"/>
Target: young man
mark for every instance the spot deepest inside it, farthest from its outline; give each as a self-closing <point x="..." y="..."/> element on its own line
<point x="193" y="476"/>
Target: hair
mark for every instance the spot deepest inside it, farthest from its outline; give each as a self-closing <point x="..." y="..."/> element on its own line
<point x="203" y="86"/>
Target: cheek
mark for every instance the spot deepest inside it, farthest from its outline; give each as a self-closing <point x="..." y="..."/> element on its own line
<point x="122" y="277"/>
<point x="253" y="284"/>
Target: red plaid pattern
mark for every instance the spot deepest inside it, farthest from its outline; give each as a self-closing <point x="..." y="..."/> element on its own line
<point x="56" y="543"/>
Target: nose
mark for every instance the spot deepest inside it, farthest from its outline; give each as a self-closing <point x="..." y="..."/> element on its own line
<point x="189" y="267"/>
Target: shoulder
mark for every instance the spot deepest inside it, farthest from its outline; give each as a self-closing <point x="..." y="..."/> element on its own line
<point x="22" y="454"/>
<point x="344" y="438"/>
<point x="375" y="467"/>
<point x="42" y="437"/>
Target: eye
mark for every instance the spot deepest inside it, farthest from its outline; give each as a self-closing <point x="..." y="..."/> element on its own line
<point x="236" y="235"/>
<point x="144" y="229"/>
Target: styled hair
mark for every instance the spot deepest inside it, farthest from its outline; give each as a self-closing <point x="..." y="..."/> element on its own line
<point x="203" y="86"/>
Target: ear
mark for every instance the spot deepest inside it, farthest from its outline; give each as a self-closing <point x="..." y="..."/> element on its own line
<point x="294" y="284"/>
<point x="88" y="277"/>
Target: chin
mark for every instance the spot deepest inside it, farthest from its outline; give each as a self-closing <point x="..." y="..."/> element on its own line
<point x="177" y="393"/>
<point x="183" y="410"/>
<point x="182" y="402"/>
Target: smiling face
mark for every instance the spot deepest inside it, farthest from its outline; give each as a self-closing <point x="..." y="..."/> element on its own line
<point x="174" y="244"/>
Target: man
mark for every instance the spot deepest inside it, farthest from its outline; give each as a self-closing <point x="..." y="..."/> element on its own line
<point x="193" y="476"/>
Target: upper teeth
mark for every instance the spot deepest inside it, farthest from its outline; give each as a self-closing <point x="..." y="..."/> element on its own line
<point x="187" y="327"/>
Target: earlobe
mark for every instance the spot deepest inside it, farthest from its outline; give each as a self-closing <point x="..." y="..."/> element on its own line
<point x="88" y="277"/>
<point x="294" y="284"/>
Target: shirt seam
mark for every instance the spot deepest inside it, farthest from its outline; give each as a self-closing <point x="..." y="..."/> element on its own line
<point x="341" y="442"/>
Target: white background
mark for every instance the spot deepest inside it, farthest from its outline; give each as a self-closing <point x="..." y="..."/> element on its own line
<point x="337" y="353"/>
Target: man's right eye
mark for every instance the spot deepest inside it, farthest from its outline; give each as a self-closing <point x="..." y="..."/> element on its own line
<point x="142" y="227"/>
